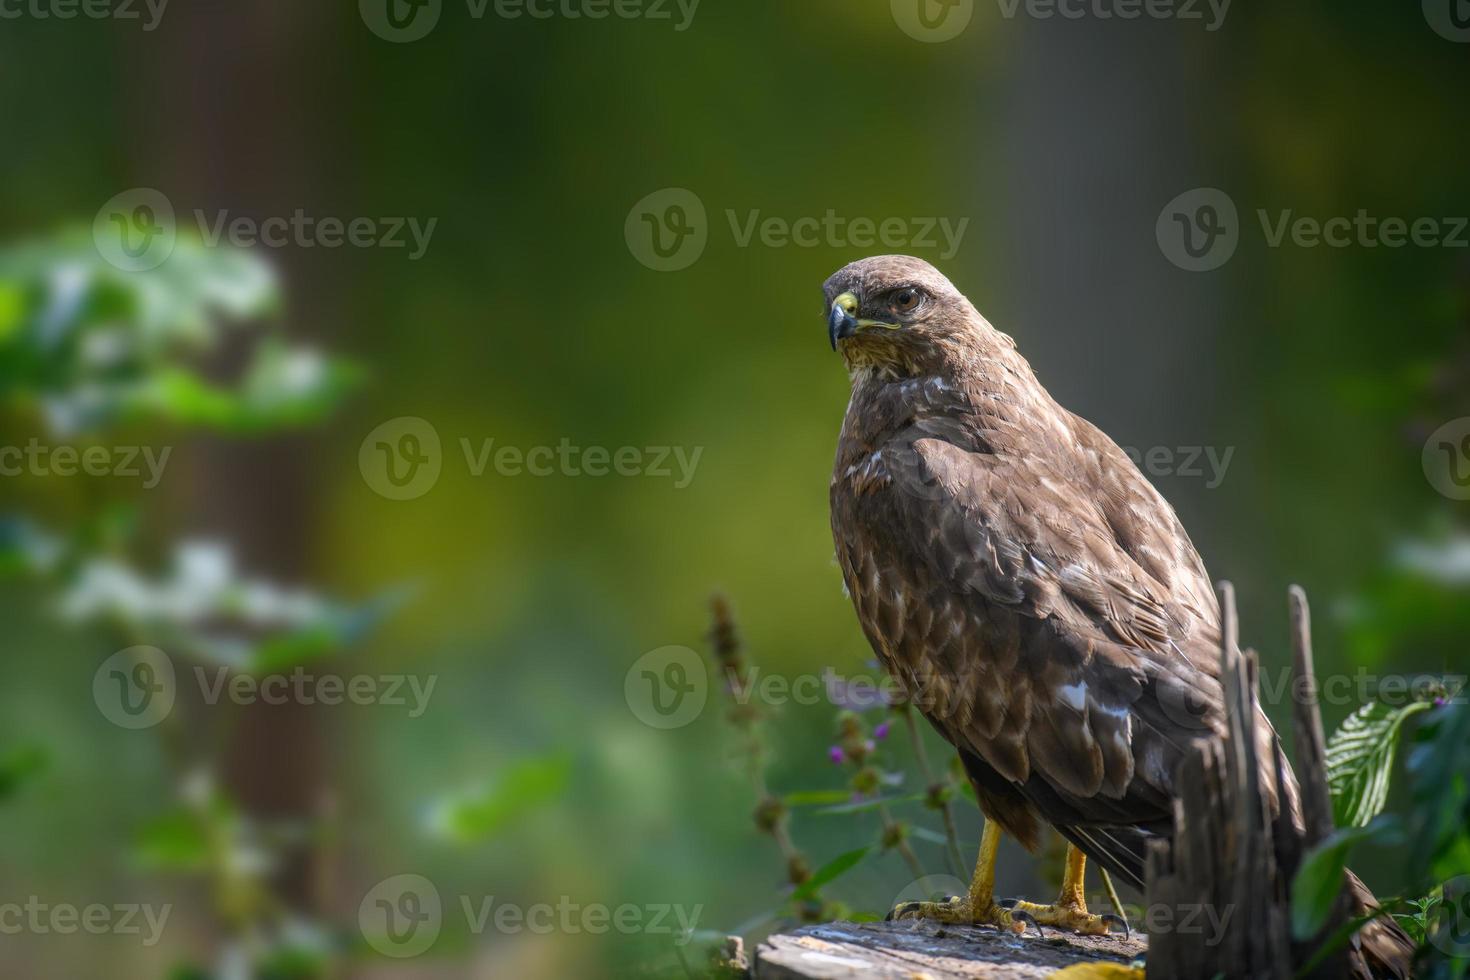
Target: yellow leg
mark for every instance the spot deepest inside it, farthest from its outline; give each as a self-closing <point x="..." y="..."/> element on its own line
<point x="1070" y="909"/>
<point x="976" y="908"/>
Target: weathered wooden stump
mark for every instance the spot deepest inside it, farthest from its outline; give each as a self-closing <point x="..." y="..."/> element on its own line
<point x="1230" y="853"/>
<point x="919" y="950"/>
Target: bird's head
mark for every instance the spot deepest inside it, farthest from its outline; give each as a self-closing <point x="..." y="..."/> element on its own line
<point x="896" y="312"/>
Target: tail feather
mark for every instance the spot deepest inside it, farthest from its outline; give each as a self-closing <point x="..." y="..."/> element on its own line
<point x="1121" y="850"/>
<point x="1380" y="949"/>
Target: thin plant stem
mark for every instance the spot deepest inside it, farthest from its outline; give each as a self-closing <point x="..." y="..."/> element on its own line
<point x="951" y="833"/>
<point x="1107" y="880"/>
<point x="903" y="845"/>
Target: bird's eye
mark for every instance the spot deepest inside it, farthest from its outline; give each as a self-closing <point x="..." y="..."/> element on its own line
<point x="906" y="300"/>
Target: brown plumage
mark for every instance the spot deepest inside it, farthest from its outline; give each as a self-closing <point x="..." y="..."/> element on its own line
<point x="1013" y="569"/>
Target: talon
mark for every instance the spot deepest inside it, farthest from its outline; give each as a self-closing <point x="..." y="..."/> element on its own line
<point x="1024" y="917"/>
<point x="894" y="914"/>
<point x="1008" y="903"/>
<point x="1110" y="920"/>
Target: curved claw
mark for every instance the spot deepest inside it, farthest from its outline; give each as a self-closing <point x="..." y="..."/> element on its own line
<point x="1024" y="917"/>
<point x="916" y="908"/>
<point x="1111" y="920"/>
<point x="899" y="911"/>
<point x="1008" y="903"/>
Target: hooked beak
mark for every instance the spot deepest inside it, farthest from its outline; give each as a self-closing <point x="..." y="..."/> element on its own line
<point x="840" y="322"/>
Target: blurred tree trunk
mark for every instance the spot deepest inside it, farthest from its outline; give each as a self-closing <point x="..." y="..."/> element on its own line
<point x="230" y="120"/>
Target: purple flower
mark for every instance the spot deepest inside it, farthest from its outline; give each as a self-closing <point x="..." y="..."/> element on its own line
<point x="1440" y="702"/>
<point x="836" y="754"/>
<point x="881" y="732"/>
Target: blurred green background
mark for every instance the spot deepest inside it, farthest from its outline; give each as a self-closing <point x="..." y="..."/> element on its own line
<point x="530" y="320"/>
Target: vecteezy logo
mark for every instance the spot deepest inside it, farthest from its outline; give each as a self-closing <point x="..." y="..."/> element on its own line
<point x="1450" y="19"/>
<point x="1199" y="229"/>
<point x="134" y="688"/>
<point x="931" y="888"/>
<point x="401" y="458"/>
<point x="134" y="230"/>
<point x="400" y="21"/>
<point x="401" y="916"/>
<point x="933" y="21"/>
<point x="1446" y="459"/>
<point x="667" y="230"/>
<point x="667" y="687"/>
<point x="1448" y="927"/>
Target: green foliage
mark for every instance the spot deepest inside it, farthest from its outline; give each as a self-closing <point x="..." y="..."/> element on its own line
<point x="1320" y="878"/>
<point x="1416" y="922"/>
<point x="830" y="872"/>
<point x="280" y="388"/>
<point x="1360" y="758"/>
<point x="867" y="804"/>
<point x="1435" y="828"/>
<point x="92" y="346"/>
<point x="1438" y="822"/>
<point x="177" y="840"/>
<point x="817" y="797"/>
<point x="85" y="349"/>
<point x="523" y="787"/>
<point x="18" y="766"/>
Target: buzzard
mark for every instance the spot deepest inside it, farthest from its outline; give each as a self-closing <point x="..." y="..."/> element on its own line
<point x="1037" y="598"/>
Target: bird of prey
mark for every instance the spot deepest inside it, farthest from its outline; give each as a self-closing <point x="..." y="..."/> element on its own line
<point x="1036" y="597"/>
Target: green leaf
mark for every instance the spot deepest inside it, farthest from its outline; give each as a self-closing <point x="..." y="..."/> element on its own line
<point x="1439" y="816"/>
<point x="817" y="797"/>
<point x="176" y="841"/>
<point x="933" y="837"/>
<point x="1319" y="880"/>
<point x="863" y="806"/>
<point x="282" y="388"/>
<point x="1360" y="760"/>
<point x="830" y="872"/>
<point x="82" y="339"/>
<point x="479" y="815"/>
<point x="25" y="549"/>
<point x="18" y="766"/>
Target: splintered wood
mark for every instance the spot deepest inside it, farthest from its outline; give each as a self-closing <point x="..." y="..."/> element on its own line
<point x="1229" y="854"/>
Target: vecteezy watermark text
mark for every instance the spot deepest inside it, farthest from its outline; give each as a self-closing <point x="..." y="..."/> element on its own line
<point x="137" y="688"/>
<point x="402" y="916"/>
<point x="1188" y="462"/>
<point x="1184" y="10"/>
<point x="42" y="918"/>
<point x="299" y="687"/>
<point x="668" y="230"/>
<point x="136" y="230"/>
<point x="1200" y="229"/>
<point x="402" y="459"/>
<point x="90" y="9"/>
<point x="35" y="459"/>
<point x="935" y="21"/>
<point x="668" y="688"/>
<point x="303" y="230"/>
<point x="401" y="21"/>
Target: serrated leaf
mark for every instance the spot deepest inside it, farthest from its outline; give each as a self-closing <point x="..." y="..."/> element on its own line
<point x="1360" y="760"/>
<point x="830" y="872"/>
